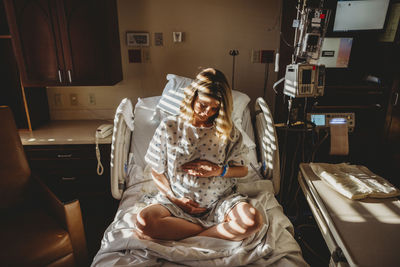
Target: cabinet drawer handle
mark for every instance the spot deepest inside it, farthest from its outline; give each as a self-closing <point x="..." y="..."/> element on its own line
<point x="68" y="178"/>
<point x="69" y="76"/>
<point x="59" y="76"/>
<point x="64" y="155"/>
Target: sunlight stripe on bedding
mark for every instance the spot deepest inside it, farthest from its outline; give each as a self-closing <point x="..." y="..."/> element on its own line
<point x="170" y="108"/>
<point x="174" y="99"/>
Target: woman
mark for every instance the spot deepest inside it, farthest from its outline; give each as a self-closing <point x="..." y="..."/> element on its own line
<point x="195" y="159"/>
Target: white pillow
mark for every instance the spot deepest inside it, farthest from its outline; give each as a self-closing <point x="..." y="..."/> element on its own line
<point x="143" y="128"/>
<point x="172" y="95"/>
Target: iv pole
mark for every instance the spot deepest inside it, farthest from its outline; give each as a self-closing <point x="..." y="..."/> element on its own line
<point x="233" y="53"/>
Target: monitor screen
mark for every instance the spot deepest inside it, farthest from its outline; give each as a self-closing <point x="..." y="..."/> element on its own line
<point x="360" y="15"/>
<point x="318" y="119"/>
<point x="306" y="77"/>
<point x="335" y="52"/>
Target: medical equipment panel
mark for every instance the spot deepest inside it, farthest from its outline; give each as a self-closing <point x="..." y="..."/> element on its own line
<point x="323" y="120"/>
<point x="304" y="80"/>
<point x="313" y="25"/>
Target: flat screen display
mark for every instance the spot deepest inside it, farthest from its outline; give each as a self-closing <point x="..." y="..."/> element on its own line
<point x="306" y="77"/>
<point x="318" y="119"/>
<point x="335" y="52"/>
<point x="360" y="15"/>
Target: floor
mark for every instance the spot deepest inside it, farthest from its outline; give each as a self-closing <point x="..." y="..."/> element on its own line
<point x="315" y="251"/>
<point x="97" y="213"/>
<point x="307" y="233"/>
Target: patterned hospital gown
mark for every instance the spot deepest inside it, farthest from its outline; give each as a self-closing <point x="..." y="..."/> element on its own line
<point x="176" y="142"/>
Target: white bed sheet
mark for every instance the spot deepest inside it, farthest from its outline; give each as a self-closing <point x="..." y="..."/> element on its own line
<point x="274" y="245"/>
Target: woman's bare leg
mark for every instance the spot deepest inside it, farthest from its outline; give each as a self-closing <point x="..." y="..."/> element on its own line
<point x="155" y="221"/>
<point x="242" y="221"/>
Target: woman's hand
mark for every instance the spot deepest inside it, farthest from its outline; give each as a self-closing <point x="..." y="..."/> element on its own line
<point x="188" y="205"/>
<point x="202" y="168"/>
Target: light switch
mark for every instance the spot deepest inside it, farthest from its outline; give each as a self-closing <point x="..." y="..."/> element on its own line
<point x="158" y="39"/>
<point x="57" y="100"/>
<point x="177" y="37"/>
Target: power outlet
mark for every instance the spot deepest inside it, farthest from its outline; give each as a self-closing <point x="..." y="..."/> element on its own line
<point x="57" y="100"/>
<point x="73" y="99"/>
<point x="146" y="55"/>
<point x="92" y="99"/>
<point x="255" y="56"/>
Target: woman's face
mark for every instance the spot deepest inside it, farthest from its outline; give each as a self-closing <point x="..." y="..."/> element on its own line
<point x="205" y="107"/>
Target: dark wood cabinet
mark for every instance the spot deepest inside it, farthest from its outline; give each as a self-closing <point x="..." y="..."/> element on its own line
<point x="10" y="89"/>
<point x="389" y="154"/>
<point x="70" y="172"/>
<point x="29" y="105"/>
<point x="65" y="42"/>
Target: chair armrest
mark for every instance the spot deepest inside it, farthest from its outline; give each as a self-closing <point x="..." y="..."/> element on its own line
<point x="51" y="202"/>
<point x="74" y="222"/>
<point x="69" y="214"/>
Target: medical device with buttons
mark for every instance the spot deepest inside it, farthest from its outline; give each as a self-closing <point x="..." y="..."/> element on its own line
<point x="312" y="28"/>
<point x="323" y="120"/>
<point x="304" y="80"/>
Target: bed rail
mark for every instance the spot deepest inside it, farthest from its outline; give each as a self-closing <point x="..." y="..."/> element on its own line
<point x="267" y="143"/>
<point x="123" y="128"/>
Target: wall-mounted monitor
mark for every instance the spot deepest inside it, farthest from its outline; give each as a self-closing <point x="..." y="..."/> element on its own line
<point x="335" y="52"/>
<point x="359" y="15"/>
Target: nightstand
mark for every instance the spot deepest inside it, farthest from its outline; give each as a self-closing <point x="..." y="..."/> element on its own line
<point x="70" y="172"/>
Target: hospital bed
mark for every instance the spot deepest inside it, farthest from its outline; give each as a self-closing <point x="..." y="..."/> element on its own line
<point x="273" y="245"/>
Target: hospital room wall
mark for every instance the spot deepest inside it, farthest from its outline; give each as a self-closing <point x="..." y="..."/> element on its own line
<point x="211" y="29"/>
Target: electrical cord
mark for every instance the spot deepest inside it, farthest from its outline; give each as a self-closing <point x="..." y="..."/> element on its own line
<point x="305" y="129"/>
<point x="293" y="167"/>
<point x="100" y="168"/>
<point x="314" y="136"/>
<point x="307" y="246"/>
<point x="318" y="145"/>
<point x="286" y="42"/>
<point x="266" y="76"/>
<point x="283" y="165"/>
<point x="283" y="159"/>
<point x="312" y="251"/>
<point x="276" y="84"/>
<point x="296" y="216"/>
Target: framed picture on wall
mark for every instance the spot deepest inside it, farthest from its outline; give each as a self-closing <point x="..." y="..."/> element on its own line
<point x="137" y="39"/>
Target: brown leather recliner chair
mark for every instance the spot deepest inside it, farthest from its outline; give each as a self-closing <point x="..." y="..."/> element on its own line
<point x="36" y="229"/>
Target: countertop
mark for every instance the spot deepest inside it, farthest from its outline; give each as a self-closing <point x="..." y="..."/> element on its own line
<point x="65" y="132"/>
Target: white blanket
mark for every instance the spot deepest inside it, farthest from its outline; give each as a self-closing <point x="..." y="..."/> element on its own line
<point x="272" y="245"/>
<point x="354" y="181"/>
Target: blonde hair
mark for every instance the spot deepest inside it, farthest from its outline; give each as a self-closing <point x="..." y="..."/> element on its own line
<point x="213" y="83"/>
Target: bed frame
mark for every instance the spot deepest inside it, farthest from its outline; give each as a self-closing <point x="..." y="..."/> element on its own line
<point x="273" y="244"/>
